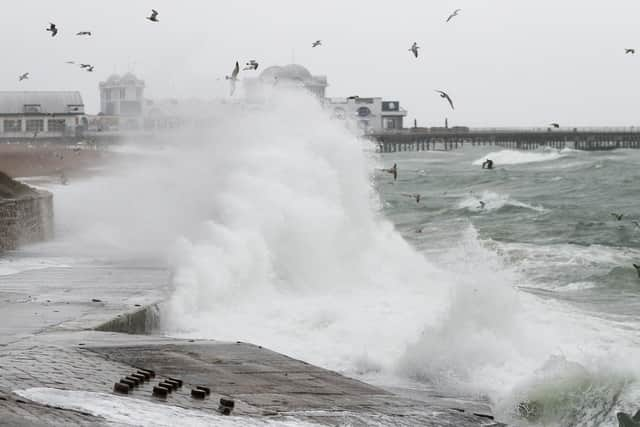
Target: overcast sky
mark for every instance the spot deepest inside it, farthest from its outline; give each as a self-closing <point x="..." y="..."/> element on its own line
<point x="504" y="62"/>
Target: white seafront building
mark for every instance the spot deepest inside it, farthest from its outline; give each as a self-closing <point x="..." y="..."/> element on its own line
<point x="367" y="114"/>
<point x="360" y="114"/>
<point x="123" y="107"/>
<point x="45" y="114"/>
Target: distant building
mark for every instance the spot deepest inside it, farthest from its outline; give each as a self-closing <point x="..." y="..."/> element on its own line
<point x="367" y="114"/>
<point x="122" y="102"/>
<point x="292" y="75"/>
<point x="41" y="114"/>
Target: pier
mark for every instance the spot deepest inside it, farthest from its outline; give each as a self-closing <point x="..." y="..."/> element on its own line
<point x="426" y="139"/>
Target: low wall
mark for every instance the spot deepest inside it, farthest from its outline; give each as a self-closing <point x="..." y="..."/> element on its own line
<point x="26" y="219"/>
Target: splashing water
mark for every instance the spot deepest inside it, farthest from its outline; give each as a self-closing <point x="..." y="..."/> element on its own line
<point x="281" y="241"/>
<point x="511" y="157"/>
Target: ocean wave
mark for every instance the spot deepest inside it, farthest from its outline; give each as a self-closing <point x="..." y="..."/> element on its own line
<point x="492" y="202"/>
<point x="275" y="236"/>
<point x="511" y="157"/>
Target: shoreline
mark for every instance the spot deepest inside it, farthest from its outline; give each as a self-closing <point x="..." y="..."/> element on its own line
<point x="53" y="328"/>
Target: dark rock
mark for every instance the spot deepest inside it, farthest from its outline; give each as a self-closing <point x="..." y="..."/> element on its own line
<point x="230" y="403"/>
<point x="626" y="420"/>
<point x="198" y="394"/>
<point x="225" y="410"/>
<point x="134" y="380"/>
<point x="146" y="375"/>
<point x="130" y="383"/>
<point x="121" y="388"/>
<point x="176" y="380"/>
<point x="171" y="384"/>
<point x="151" y="373"/>
<point x="207" y="390"/>
<point x="160" y="391"/>
<point x="140" y="377"/>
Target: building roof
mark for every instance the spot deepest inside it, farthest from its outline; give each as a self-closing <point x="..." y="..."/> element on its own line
<point x="126" y="79"/>
<point x="293" y="72"/>
<point x="51" y="102"/>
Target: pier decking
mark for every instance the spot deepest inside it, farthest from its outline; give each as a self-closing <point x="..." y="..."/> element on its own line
<point x="423" y="139"/>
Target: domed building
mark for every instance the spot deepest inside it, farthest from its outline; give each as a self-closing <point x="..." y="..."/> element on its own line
<point x="291" y="75"/>
<point x="123" y="96"/>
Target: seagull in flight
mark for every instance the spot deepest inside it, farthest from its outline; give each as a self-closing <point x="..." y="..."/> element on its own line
<point x="233" y="78"/>
<point x="617" y="216"/>
<point x="554" y="125"/>
<point x="70" y="62"/>
<point x="416" y="196"/>
<point x="89" y="68"/>
<point x="454" y="14"/>
<point x="631" y="51"/>
<point x="414" y="48"/>
<point x="83" y="33"/>
<point x="446" y="96"/>
<point x="251" y="65"/>
<point x="85" y="65"/>
<point x="53" y="29"/>
<point x="316" y="43"/>
<point x="22" y="77"/>
<point x="154" y="16"/>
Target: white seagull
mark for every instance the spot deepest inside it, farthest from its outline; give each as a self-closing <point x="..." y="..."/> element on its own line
<point x="154" y="16"/>
<point x="22" y="77"/>
<point x="446" y="96"/>
<point x="454" y="14"/>
<point x="251" y="65"/>
<point x="53" y="29"/>
<point x="233" y="78"/>
<point x="316" y="43"/>
<point x="414" y="48"/>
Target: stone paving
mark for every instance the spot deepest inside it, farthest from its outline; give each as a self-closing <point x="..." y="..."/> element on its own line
<point x="47" y="340"/>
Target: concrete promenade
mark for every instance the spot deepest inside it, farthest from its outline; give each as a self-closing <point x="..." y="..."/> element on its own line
<point x="48" y="340"/>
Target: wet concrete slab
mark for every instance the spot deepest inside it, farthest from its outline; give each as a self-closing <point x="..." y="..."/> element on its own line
<point x="48" y="340"/>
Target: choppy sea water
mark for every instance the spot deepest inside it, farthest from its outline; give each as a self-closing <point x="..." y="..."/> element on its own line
<point x="553" y="316"/>
<point x="286" y="234"/>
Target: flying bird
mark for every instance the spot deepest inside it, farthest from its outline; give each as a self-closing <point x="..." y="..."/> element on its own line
<point x="233" y="78"/>
<point x="446" y="96"/>
<point x="617" y="216"/>
<point x="22" y="77"/>
<point x="83" y="33"/>
<point x="393" y="171"/>
<point x="354" y="97"/>
<point x="85" y="65"/>
<point x="70" y="62"/>
<point x="53" y="29"/>
<point x="251" y="65"/>
<point x="455" y="13"/>
<point x="316" y="43"/>
<point x="154" y="16"/>
<point x="90" y="69"/>
<point x="414" y="48"/>
<point x="631" y="51"/>
<point x="555" y="125"/>
<point x="416" y="196"/>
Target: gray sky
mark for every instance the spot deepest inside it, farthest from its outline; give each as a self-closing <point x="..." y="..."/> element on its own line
<point x="504" y="62"/>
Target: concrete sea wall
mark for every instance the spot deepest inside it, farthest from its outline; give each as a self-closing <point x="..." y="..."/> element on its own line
<point x="26" y="219"/>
